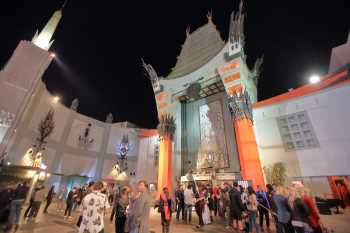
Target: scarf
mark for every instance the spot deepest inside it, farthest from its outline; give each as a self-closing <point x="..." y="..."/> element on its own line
<point x="165" y="206"/>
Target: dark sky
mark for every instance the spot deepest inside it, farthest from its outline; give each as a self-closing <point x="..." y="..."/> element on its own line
<point x="100" y="43"/>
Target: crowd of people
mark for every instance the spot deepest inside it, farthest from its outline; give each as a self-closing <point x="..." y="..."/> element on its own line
<point x="290" y="209"/>
<point x="12" y="198"/>
<point x="130" y="212"/>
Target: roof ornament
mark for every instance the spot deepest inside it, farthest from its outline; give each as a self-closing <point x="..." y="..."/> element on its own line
<point x="75" y="104"/>
<point x="188" y="30"/>
<point x="109" y="118"/>
<point x="237" y="25"/>
<point x="64" y="5"/>
<point x="210" y="16"/>
<point x="152" y="75"/>
<point x="257" y="69"/>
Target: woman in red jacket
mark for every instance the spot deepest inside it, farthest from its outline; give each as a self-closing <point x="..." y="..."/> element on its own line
<point x="314" y="218"/>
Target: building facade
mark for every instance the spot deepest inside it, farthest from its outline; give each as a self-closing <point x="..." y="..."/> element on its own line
<point x="209" y="93"/>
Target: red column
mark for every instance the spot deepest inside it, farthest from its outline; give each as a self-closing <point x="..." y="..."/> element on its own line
<point x="248" y="152"/>
<point x="165" y="169"/>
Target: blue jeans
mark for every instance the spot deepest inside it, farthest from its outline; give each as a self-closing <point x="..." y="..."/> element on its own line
<point x="188" y="211"/>
<point x="252" y="221"/>
<point x="15" y="210"/>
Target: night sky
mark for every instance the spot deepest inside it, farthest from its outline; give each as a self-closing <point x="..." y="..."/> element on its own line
<point x="100" y="44"/>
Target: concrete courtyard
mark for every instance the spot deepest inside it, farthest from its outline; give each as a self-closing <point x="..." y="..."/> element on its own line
<point x="54" y="222"/>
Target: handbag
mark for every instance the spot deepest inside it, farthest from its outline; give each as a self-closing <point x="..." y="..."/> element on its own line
<point x="80" y="219"/>
<point x="160" y="205"/>
<point x="136" y="230"/>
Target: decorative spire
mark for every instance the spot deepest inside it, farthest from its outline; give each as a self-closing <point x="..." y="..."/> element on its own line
<point x="237" y="24"/>
<point x="257" y="69"/>
<point x="43" y="39"/>
<point x="236" y="36"/>
<point x="152" y="75"/>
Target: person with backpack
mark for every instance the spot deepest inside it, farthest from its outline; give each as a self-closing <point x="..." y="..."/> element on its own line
<point x="199" y="206"/>
<point x="263" y="208"/>
<point x="69" y="203"/>
<point x="49" y="197"/>
<point x="236" y="207"/>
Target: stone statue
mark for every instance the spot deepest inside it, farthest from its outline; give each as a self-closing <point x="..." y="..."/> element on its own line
<point x="75" y="104"/>
<point x="109" y="118"/>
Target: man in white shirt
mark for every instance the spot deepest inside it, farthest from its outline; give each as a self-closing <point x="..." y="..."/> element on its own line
<point x="189" y="201"/>
<point x="94" y="206"/>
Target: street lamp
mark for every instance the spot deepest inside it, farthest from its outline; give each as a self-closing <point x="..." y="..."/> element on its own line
<point x="314" y="79"/>
<point x="56" y="99"/>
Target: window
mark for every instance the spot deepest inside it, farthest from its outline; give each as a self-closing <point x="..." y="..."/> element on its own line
<point x="297" y="132"/>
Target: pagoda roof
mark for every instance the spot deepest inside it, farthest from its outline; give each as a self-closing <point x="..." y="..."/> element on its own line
<point x="199" y="48"/>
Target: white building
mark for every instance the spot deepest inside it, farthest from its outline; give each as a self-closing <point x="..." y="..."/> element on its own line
<point x="71" y="158"/>
<point x="308" y="128"/>
<point x="80" y="148"/>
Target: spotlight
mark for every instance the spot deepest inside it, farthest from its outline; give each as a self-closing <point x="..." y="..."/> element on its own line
<point x="314" y="79"/>
<point x="53" y="55"/>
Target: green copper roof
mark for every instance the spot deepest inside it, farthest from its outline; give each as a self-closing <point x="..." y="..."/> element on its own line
<point x="200" y="46"/>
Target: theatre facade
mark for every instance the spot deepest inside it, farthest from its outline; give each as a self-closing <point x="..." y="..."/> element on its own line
<point x="211" y="125"/>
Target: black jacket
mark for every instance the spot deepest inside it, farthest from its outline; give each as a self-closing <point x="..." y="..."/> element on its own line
<point x="236" y="204"/>
<point x="21" y="192"/>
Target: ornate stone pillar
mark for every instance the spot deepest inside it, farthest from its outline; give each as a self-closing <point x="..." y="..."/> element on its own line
<point x="166" y="129"/>
<point x="242" y="118"/>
